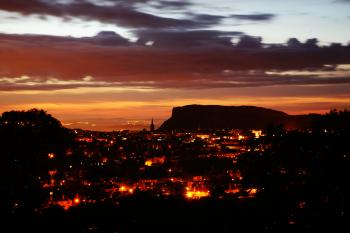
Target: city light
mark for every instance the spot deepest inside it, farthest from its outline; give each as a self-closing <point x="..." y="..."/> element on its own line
<point x="148" y="163"/>
<point x="196" y="194"/>
<point x="257" y="133"/>
<point x="76" y="200"/>
<point x="252" y="191"/>
<point x="232" y="191"/>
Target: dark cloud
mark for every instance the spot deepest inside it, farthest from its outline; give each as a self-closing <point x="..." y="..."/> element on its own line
<point x="121" y="13"/>
<point x="104" y="38"/>
<point x="157" y="3"/>
<point x="341" y="1"/>
<point x="309" y="44"/>
<point x="159" y="38"/>
<point x="47" y="62"/>
<point x="254" y="17"/>
<point x="205" y="81"/>
<point x="128" y="14"/>
<point x="186" y="39"/>
<point x="250" y="42"/>
<point x="107" y="38"/>
<point x="29" y="7"/>
<point x="205" y="18"/>
<point x="294" y="43"/>
<point x="174" y="4"/>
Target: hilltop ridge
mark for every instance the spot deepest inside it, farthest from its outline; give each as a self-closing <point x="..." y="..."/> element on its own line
<point x="193" y="117"/>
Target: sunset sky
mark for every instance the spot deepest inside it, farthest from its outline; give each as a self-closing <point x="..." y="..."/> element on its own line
<point x="114" y="64"/>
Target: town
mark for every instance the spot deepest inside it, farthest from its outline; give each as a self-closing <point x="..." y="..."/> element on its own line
<point x="191" y="165"/>
<point x="93" y="181"/>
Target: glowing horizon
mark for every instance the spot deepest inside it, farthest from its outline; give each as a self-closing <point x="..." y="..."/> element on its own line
<point x="134" y="60"/>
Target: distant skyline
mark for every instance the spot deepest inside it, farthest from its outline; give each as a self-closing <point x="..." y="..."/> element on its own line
<point x="98" y="61"/>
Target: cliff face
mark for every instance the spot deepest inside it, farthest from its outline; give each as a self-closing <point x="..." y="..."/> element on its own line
<point x="194" y="117"/>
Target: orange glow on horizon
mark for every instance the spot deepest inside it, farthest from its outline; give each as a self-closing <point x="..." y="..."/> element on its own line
<point x="73" y="105"/>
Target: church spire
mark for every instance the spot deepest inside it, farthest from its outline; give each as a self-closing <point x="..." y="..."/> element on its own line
<point x="152" y="126"/>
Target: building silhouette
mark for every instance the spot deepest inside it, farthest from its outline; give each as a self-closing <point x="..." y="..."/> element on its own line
<point x="151" y="126"/>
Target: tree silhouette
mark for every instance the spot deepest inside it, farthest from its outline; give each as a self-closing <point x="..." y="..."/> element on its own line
<point x="301" y="177"/>
<point x="27" y="139"/>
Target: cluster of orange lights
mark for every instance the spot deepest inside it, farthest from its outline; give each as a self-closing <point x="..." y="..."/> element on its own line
<point x="124" y="189"/>
<point x="155" y="160"/>
<point x="148" y="163"/>
<point x="66" y="204"/>
<point x="257" y="133"/>
<point x="232" y="191"/>
<point x="252" y="191"/>
<point x="196" y="194"/>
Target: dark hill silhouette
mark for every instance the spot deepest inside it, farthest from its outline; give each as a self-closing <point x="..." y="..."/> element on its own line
<point x="205" y="117"/>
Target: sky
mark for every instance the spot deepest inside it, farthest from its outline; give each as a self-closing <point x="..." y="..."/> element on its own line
<point x="115" y="64"/>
